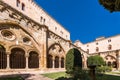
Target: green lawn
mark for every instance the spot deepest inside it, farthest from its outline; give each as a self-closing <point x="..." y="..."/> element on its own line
<point x="99" y="77"/>
<point x="55" y="75"/>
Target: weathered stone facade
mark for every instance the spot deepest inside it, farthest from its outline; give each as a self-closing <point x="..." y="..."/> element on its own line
<point x="108" y="48"/>
<point x="27" y="43"/>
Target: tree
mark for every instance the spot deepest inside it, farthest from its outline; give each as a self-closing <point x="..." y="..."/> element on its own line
<point x="95" y="61"/>
<point x="111" y="5"/>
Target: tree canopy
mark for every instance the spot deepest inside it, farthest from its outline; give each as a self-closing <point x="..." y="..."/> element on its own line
<point x="111" y="5"/>
<point x="95" y="61"/>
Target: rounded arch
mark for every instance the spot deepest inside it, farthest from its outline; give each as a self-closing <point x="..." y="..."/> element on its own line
<point x="111" y="61"/>
<point x="17" y="58"/>
<point x="110" y="56"/>
<point x="33" y="60"/>
<point x="17" y="46"/>
<point x="3" y="57"/>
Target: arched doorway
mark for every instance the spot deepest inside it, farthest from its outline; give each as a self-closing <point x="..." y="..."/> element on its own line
<point x="33" y="60"/>
<point x="49" y="61"/>
<point x="3" y="58"/>
<point x="17" y="58"/>
<point x="56" y="62"/>
<point x="62" y="62"/>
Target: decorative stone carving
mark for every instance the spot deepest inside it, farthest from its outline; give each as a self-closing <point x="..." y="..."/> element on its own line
<point x="8" y="35"/>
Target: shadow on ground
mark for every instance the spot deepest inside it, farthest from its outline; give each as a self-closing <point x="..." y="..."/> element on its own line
<point x="15" y="76"/>
<point x="64" y="78"/>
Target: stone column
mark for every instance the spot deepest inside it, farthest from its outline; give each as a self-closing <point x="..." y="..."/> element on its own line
<point x="8" y="60"/>
<point x="53" y="62"/>
<point x="60" y="62"/>
<point x="44" y="53"/>
<point x="39" y="61"/>
<point x="27" y="56"/>
<point x="118" y="59"/>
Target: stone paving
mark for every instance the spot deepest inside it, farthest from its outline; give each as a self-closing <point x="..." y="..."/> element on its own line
<point x="37" y="77"/>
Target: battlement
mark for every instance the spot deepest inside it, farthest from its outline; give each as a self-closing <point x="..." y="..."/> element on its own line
<point x="31" y="9"/>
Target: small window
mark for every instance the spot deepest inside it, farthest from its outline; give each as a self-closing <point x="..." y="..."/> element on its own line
<point x="87" y="45"/>
<point x="88" y="50"/>
<point x="17" y="3"/>
<point x="41" y="18"/>
<point x="97" y="43"/>
<point x="97" y="49"/>
<point x="44" y="21"/>
<point x="23" y="6"/>
<point x="109" y="40"/>
<point x="109" y="47"/>
<point x="61" y="32"/>
<point x="55" y="28"/>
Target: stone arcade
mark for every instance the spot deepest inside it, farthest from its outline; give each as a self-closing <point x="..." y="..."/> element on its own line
<point x="30" y="39"/>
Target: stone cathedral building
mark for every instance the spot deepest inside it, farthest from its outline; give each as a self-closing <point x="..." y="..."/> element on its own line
<point x="30" y="39"/>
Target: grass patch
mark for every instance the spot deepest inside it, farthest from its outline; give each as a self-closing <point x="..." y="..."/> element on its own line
<point x="108" y="77"/>
<point x="12" y="78"/>
<point x="99" y="77"/>
<point x="54" y="75"/>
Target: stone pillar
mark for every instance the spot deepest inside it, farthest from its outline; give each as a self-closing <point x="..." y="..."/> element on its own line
<point x="118" y="59"/>
<point x="44" y="52"/>
<point x="8" y="60"/>
<point x="27" y="61"/>
<point x="39" y="61"/>
<point x="53" y="62"/>
<point x="60" y="62"/>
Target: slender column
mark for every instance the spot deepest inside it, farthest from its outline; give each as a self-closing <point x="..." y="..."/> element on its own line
<point x="60" y="62"/>
<point x="53" y="62"/>
<point x="39" y="61"/>
<point x="8" y="60"/>
<point x="118" y="60"/>
<point x="27" y="61"/>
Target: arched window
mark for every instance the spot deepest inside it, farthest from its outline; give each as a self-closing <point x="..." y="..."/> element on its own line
<point x="17" y="58"/>
<point x="17" y="3"/>
<point x="109" y="47"/>
<point x="33" y="60"/>
<point x="23" y="6"/>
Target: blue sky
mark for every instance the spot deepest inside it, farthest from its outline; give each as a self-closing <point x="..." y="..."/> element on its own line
<point x="84" y="19"/>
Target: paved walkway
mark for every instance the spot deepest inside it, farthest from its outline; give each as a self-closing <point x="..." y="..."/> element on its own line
<point x="37" y="77"/>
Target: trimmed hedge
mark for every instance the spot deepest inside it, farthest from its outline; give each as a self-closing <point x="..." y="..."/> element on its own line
<point x="73" y="60"/>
